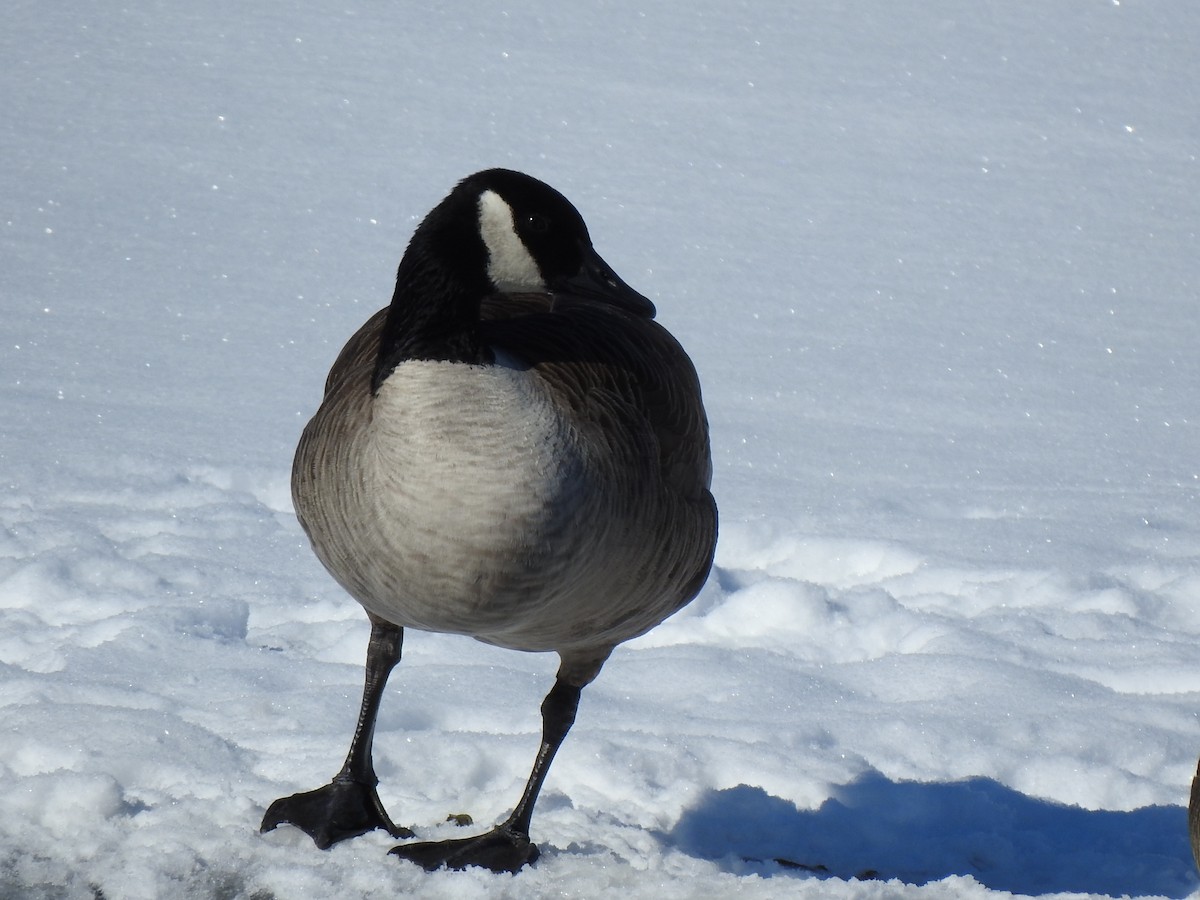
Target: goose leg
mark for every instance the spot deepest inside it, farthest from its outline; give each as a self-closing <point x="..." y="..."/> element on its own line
<point x="349" y="805"/>
<point x="506" y="848"/>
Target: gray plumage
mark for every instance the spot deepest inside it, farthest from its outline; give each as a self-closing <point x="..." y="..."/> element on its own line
<point x="556" y="501"/>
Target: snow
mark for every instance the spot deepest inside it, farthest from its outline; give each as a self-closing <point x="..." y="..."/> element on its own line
<point x="937" y="266"/>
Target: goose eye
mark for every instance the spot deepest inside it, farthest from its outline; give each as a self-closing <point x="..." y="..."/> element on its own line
<point x="537" y="223"/>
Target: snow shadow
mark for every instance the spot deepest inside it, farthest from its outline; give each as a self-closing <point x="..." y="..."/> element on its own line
<point x="915" y="832"/>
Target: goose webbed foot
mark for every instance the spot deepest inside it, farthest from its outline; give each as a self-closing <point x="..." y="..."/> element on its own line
<point x="503" y="849"/>
<point x="341" y="809"/>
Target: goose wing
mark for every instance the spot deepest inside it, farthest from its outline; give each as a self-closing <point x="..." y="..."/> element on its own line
<point x="619" y="370"/>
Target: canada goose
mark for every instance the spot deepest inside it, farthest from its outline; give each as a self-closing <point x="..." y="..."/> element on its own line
<point x="515" y="451"/>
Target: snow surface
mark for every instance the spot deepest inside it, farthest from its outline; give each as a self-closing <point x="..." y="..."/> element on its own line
<point x="937" y="265"/>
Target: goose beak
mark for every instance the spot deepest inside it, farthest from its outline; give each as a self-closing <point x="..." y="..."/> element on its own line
<point x="597" y="280"/>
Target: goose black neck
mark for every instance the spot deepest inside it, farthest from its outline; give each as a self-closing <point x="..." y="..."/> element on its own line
<point x="434" y="313"/>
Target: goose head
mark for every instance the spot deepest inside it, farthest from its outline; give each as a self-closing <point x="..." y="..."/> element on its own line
<point x="497" y="232"/>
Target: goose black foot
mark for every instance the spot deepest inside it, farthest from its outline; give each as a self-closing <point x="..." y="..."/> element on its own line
<point x="335" y="812"/>
<point x="502" y="850"/>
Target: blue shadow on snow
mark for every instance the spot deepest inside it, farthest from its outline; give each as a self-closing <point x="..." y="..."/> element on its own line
<point x="919" y="833"/>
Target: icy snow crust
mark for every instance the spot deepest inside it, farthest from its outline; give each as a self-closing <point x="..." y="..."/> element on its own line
<point x="937" y="265"/>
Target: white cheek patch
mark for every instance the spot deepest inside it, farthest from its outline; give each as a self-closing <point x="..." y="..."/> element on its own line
<point x="510" y="265"/>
